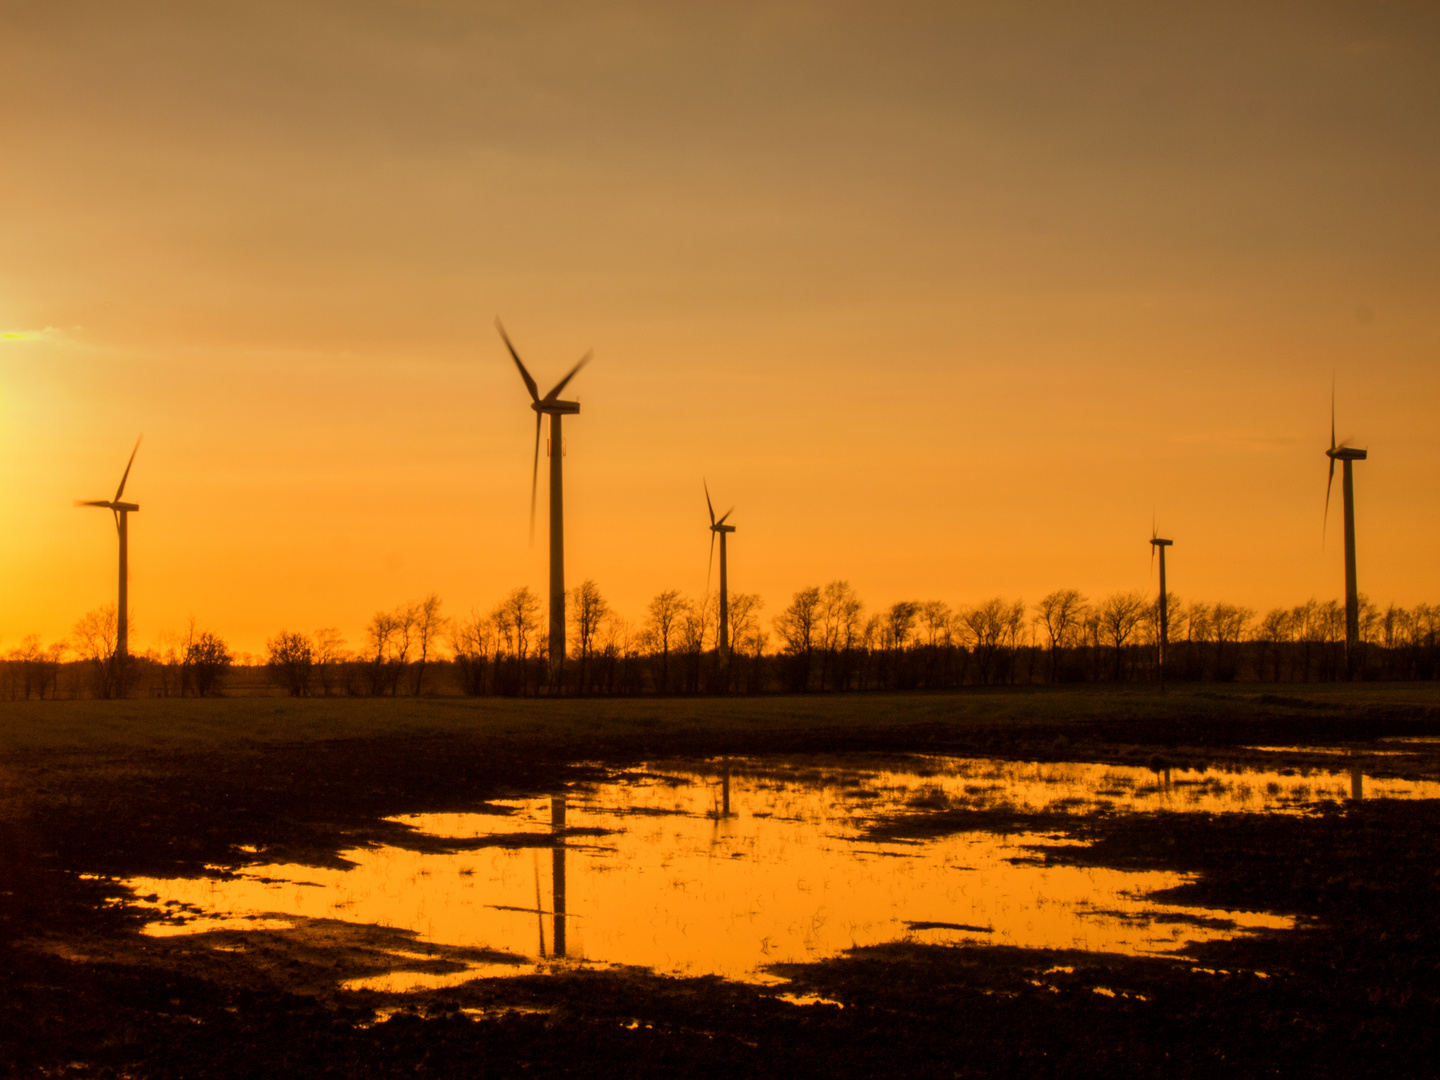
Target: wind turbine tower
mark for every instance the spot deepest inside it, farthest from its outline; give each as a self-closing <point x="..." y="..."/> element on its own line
<point x="720" y="529"/>
<point x="1158" y="545"/>
<point x="1345" y="455"/>
<point x="121" y="511"/>
<point x="550" y="405"/>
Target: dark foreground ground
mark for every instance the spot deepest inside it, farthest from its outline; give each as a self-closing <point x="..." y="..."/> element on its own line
<point x="164" y="789"/>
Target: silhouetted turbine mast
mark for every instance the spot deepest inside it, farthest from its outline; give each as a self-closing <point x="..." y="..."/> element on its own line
<point x="1345" y="455"/>
<point x="1158" y="545"/>
<point x="550" y="405"/>
<point x="720" y="529"/>
<point x="121" y="510"/>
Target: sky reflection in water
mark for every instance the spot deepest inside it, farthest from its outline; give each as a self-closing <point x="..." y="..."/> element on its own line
<point x="671" y="883"/>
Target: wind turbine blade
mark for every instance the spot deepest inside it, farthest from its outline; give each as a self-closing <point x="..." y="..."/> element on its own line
<point x="92" y="502"/>
<point x="725" y="515"/>
<point x="555" y="390"/>
<point x="708" y="504"/>
<point x="1328" y="484"/>
<point x="121" y="489"/>
<point x="529" y="382"/>
<point x="535" y="477"/>
<point x="539" y="911"/>
<point x="710" y="566"/>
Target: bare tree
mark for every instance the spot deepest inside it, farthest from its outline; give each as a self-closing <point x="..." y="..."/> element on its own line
<point x="290" y="659"/>
<point x="1120" y="613"/>
<point x="900" y="623"/>
<point x="935" y="621"/>
<point x="696" y="619"/>
<point x="1274" y="635"/>
<point x="428" y="625"/>
<point x="207" y="658"/>
<point x="985" y="626"/>
<point x="473" y="640"/>
<point x="406" y="620"/>
<point x="95" y="640"/>
<point x="590" y="610"/>
<point x="798" y="623"/>
<point x="797" y="626"/>
<point x="380" y="637"/>
<point x="840" y="611"/>
<point x="518" y="620"/>
<point x="664" y="613"/>
<point x="619" y="652"/>
<point x="744" y="616"/>
<point x="329" y="653"/>
<point x="1060" y="613"/>
<point x="1230" y="622"/>
<point x="1014" y="626"/>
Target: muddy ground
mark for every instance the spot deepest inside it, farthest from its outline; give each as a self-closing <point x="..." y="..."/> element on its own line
<point x="1353" y="992"/>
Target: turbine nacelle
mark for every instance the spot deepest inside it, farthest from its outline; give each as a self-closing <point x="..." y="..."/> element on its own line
<point x="555" y="408"/>
<point x="549" y="405"/>
<point x="115" y="504"/>
<point x="1340" y="452"/>
<point x="717" y="528"/>
<point x="1157" y="542"/>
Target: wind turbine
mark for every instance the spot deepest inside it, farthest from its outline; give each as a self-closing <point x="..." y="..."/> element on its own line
<point x="720" y="529"/>
<point x="1158" y="544"/>
<point x="1346" y="454"/>
<point x="121" y="510"/>
<point x="550" y="405"/>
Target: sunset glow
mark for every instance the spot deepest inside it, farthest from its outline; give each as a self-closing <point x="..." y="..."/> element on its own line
<point x="950" y="301"/>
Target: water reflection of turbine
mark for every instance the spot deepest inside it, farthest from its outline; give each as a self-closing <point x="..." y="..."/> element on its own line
<point x="557" y="872"/>
<point x="539" y="908"/>
<point x="1357" y="783"/>
<point x="725" y="792"/>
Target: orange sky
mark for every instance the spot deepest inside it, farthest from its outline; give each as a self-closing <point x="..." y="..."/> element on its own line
<point x="947" y="298"/>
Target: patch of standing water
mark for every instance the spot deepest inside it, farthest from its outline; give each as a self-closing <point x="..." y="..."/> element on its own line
<point x="686" y="872"/>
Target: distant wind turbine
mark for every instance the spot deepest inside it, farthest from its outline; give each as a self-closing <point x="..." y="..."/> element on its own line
<point x="1346" y="454"/>
<point x="121" y="510"/>
<point x="550" y="405"/>
<point x="720" y="529"/>
<point x="1157" y="544"/>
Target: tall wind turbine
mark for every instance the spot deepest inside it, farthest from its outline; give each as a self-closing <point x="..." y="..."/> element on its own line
<point x="121" y="511"/>
<point x="1346" y="454"/>
<point x="720" y="529"/>
<point x="1158" y="544"/>
<point x="550" y="405"/>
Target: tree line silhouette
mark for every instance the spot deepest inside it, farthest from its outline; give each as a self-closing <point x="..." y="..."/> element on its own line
<point x="824" y="640"/>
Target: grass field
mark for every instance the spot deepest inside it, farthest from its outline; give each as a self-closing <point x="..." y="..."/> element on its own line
<point x="1348" y="710"/>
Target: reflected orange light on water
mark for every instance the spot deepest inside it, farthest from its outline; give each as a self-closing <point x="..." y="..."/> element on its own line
<point x="648" y="870"/>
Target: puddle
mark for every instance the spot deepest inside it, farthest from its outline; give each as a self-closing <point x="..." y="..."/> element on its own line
<point x="401" y="982"/>
<point x="682" y="872"/>
<point x="1329" y="751"/>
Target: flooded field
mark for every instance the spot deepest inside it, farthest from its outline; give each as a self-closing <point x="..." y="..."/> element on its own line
<point x="728" y="867"/>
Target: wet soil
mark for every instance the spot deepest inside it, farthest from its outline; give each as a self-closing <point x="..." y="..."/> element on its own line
<point x="1352" y="992"/>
